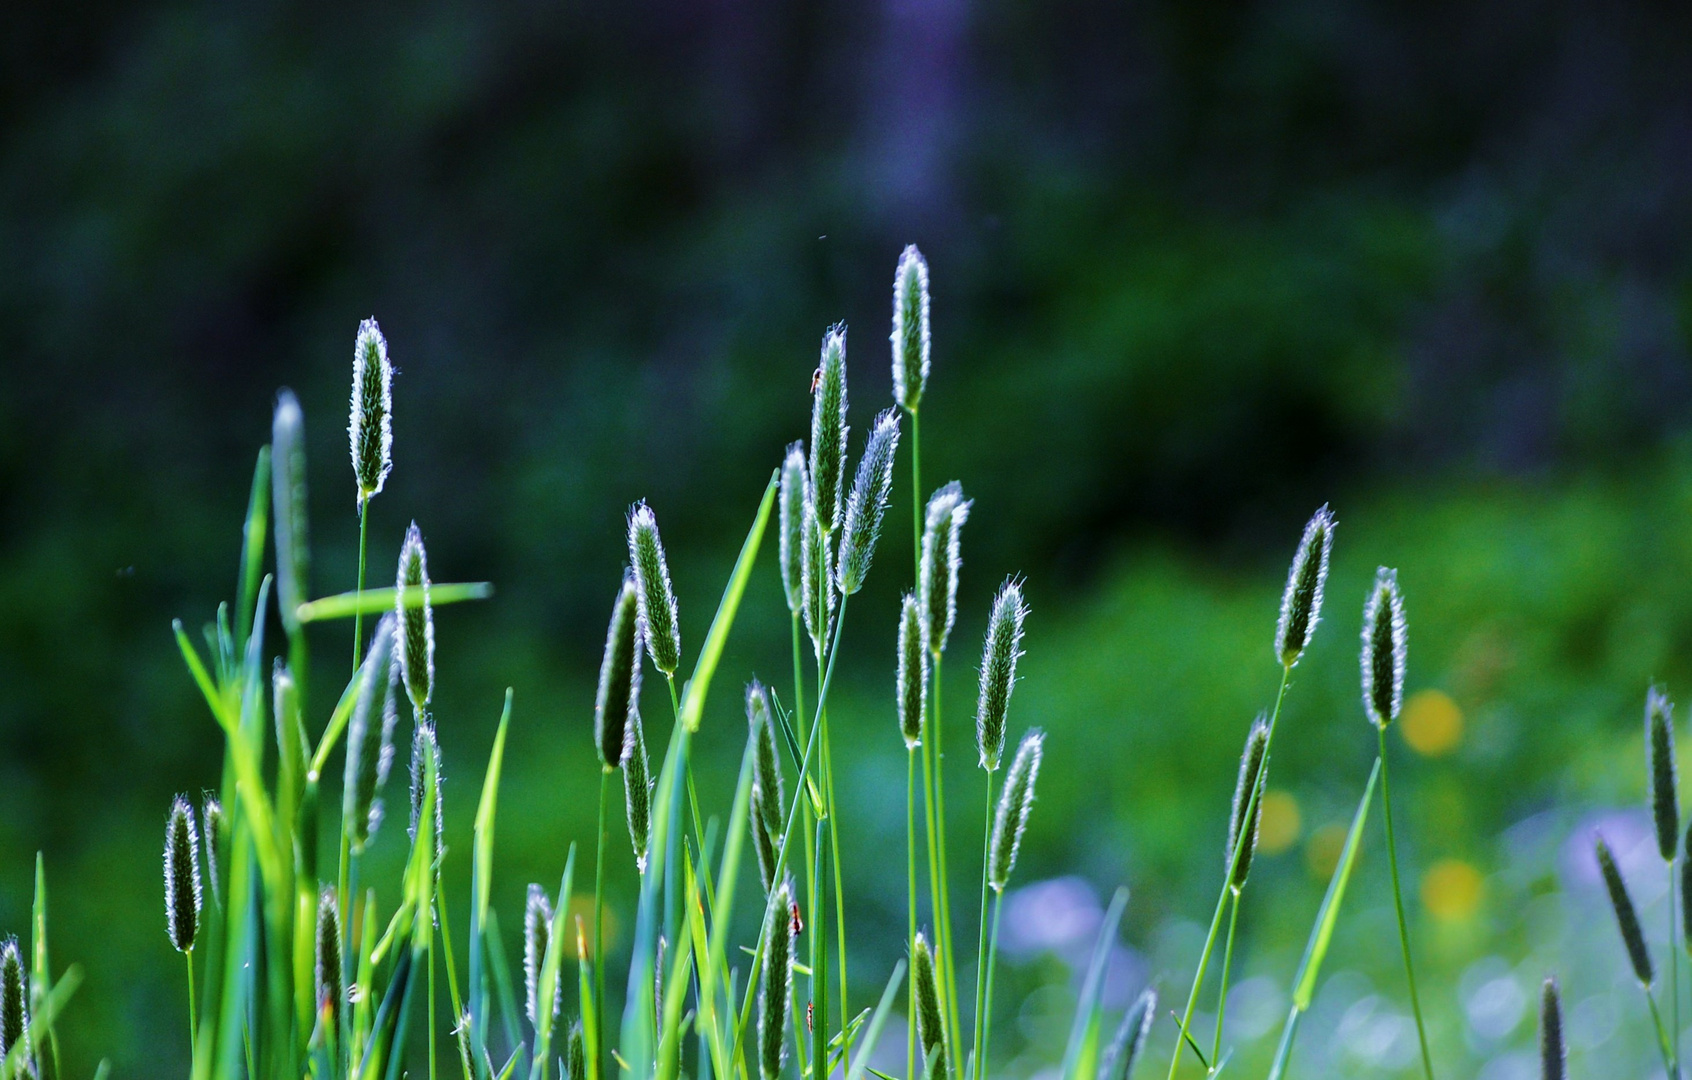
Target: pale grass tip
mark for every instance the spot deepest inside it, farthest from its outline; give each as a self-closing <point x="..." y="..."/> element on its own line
<point x="661" y="626"/>
<point x="999" y="654"/>
<point x="618" y="698"/>
<point x="182" y="876"/>
<point x="1015" y="803"/>
<point x="1301" y="603"/>
<point x="867" y="505"/>
<point x="1385" y="645"/>
<point x="416" y="643"/>
<point x="910" y="336"/>
<point x="828" y="430"/>
<point x="911" y="682"/>
<point x="791" y="514"/>
<point x="288" y="505"/>
<point x="370" y="431"/>
<point x="942" y="559"/>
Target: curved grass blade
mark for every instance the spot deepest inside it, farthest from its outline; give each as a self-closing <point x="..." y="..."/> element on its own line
<point x="861" y="1061"/>
<point x="380" y="601"/>
<point x="482" y="876"/>
<point x="252" y="543"/>
<point x="693" y="704"/>
<point x="1081" y="1056"/>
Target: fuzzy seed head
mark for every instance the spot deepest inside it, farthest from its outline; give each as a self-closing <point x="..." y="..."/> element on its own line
<point x="637" y="794"/>
<point x="1627" y="917"/>
<point x="816" y="579"/>
<point x="1553" y="1059"/>
<point x="1385" y="644"/>
<point x="910" y="328"/>
<point x="417" y="622"/>
<point x="182" y="876"/>
<point x="867" y="505"/>
<point x="661" y="626"/>
<point x="942" y="558"/>
<point x="14" y="1002"/>
<point x="930" y="1024"/>
<point x="790" y="501"/>
<point x="911" y="689"/>
<point x="370" y="432"/>
<point x="288" y="501"/>
<point x="1130" y="1037"/>
<point x="212" y="823"/>
<point x="998" y="672"/>
<point x="370" y="738"/>
<point x="1301" y="603"/>
<point x="575" y="1052"/>
<point x="537" y="935"/>
<point x="1248" y="785"/>
<point x="828" y="430"/>
<point x="618" y="701"/>
<point x="328" y="952"/>
<point x="763" y="841"/>
<point x="426" y="750"/>
<point x="1665" y="781"/>
<point x="1014" y="804"/>
<point x="767" y="780"/>
<point x="775" y="988"/>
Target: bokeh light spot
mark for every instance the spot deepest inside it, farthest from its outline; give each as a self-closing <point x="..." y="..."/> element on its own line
<point x="1432" y="723"/>
<point x="1452" y="889"/>
<point x="1322" y="852"/>
<point x="1279" y="828"/>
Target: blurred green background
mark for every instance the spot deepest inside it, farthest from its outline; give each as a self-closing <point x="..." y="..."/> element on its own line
<point x="1197" y="269"/>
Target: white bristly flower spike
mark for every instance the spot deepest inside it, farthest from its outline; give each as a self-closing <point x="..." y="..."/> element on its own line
<point x="182" y="876"/>
<point x="942" y="558"/>
<point x="416" y="621"/>
<point x="867" y="504"/>
<point x="370" y="432"/>
<point x="1014" y="804"/>
<point x="657" y="599"/>
<point x="999" y="654"/>
<point x="1301" y="604"/>
<point x="1384" y="646"/>
<point x="910" y="329"/>
<point x="794" y="491"/>
<point x="828" y="430"/>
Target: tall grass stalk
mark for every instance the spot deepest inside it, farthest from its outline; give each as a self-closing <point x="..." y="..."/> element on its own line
<point x="1398" y="909"/>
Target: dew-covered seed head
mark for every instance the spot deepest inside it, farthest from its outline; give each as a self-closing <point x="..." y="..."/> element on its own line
<point x="867" y="505"/>
<point x="1385" y="641"/>
<point x="942" y="558"/>
<point x="1248" y="792"/>
<point x="1301" y="603"/>
<point x="1665" y="781"/>
<point x="998" y="672"/>
<point x="791" y="498"/>
<point x="1015" y="802"/>
<point x="182" y="876"/>
<point x="657" y="599"/>
<point x="828" y="430"/>
<point x="288" y="502"/>
<point x="910" y="328"/>
<point x="370" y="432"/>
<point x="416" y="616"/>
<point x="911" y="684"/>
<point x="618" y="700"/>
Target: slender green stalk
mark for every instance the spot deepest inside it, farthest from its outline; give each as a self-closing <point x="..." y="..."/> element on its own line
<point x="1662" y="1035"/>
<point x="429" y="945"/>
<point x="1398" y="907"/>
<point x="358" y="612"/>
<point x="910" y="891"/>
<point x="943" y="889"/>
<point x="839" y="889"/>
<point x="981" y="945"/>
<point x="819" y="965"/>
<point x="916" y="491"/>
<point x="598" y="925"/>
<point x="1227" y="965"/>
<point x="1227" y="881"/>
<point x="1674" y="976"/>
<point x="193" y="1029"/>
<point x="933" y="837"/>
<point x="992" y="964"/>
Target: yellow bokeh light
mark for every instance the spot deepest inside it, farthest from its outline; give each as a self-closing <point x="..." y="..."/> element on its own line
<point x="1432" y="723"/>
<point x="1452" y="890"/>
<point x="1322" y="852"/>
<point x="1279" y="827"/>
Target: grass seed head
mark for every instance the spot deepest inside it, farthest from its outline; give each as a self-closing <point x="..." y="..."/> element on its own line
<point x="791" y="512"/>
<point x="766" y="765"/>
<point x="637" y="795"/>
<point x="828" y="429"/>
<point x="370" y="748"/>
<point x="1627" y="917"/>
<point x="775" y="988"/>
<point x="328" y="981"/>
<point x="575" y="1052"/>
<point x="912" y="680"/>
<point x="288" y="501"/>
<point x="370" y="432"/>
<point x="942" y="558"/>
<point x="1552" y="1057"/>
<point x="1385" y="643"/>
<point x="930" y="1022"/>
<point x="537" y="935"/>
<point x="424" y="746"/>
<point x="910" y="328"/>
<point x="999" y="655"/>
<point x="1301" y="603"/>
<point x="1130" y="1037"/>
<point x="660" y="624"/>
<point x="1014" y="804"/>
<point x="1241" y="835"/>
<point x="14" y="1002"/>
<point x="867" y="506"/>
<point x="618" y="701"/>
<point x="816" y="579"/>
<point x="212" y="823"/>
<point x="417" y="622"/>
<point x="763" y="841"/>
<point x="182" y="876"/>
<point x="1659" y="743"/>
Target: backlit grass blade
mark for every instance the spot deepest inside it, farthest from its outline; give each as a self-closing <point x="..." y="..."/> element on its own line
<point x="1081" y="1056"/>
<point x="693" y="705"/>
<point x="482" y="876"/>
<point x="861" y="1061"/>
<point x="40" y="980"/>
<point x="716" y="943"/>
<point x="252" y="543"/>
<point x="500" y="972"/>
<point x="337" y="725"/>
<point x="378" y="601"/>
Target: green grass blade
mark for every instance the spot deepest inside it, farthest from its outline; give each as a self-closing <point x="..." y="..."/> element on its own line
<point x="337" y="725"/>
<point x="482" y="874"/>
<point x="202" y="678"/>
<point x="717" y="942"/>
<point x="867" y="1047"/>
<point x="584" y="992"/>
<point x="1304" y="987"/>
<point x="376" y="601"/>
<point x="1080" y="1057"/>
<point x="40" y="976"/>
<point x="252" y="543"/>
<point x="500" y="971"/>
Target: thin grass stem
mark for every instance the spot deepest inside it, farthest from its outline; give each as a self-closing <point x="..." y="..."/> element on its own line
<point x="358" y="612"/>
<point x="1227" y="966"/>
<point x="1398" y="908"/>
<point x="1674" y="976"/>
<point x="953" y="1015"/>
<point x="1662" y="1035"/>
<point x="987" y="1004"/>
<point x="839" y="890"/>
<point x="910" y="892"/>
<point x="818" y="1016"/>
<point x="193" y="1023"/>
<point x="429" y="945"/>
<point x="981" y="944"/>
<point x="599" y="927"/>
<point x="933" y="837"/>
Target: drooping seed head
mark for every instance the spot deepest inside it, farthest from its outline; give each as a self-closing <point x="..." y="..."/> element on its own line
<point x="182" y="876"/>
<point x="637" y="795"/>
<point x="942" y="558"/>
<point x="14" y="1001"/>
<point x="828" y="429"/>
<point x="776" y="986"/>
<point x="370" y="432"/>
<point x="930" y="1024"/>
<point x="661" y="626"/>
<point x="1130" y="1037"/>
<point x="1014" y="804"/>
<point x="910" y="328"/>
<point x="1301" y="603"/>
<point x="1384" y="645"/>
<point x="1627" y="917"/>
<point x="537" y="935"/>
<point x="790" y="502"/>
<point x="416" y="643"/>
<point x="328" y="951"/>
<point x="867" y="505"/>
<point x="1247" y="793"/>
<point x="212" y="823"/>
<point x="999" y="655"/>
<point x="766" y="765"/>
<point x="618" y="700"/>
<point x="1665" y="786"/>
<point x="370" y="747"/>
<point x="288" y="500"/>
<point x="911" y="686"/>
<point x="1552" y="1057"/>
<point x="424" y="747"/>
<point x="575" y="1052"/>
<point x="816" y="579"/>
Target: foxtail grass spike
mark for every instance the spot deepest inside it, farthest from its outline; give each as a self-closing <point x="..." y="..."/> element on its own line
<point x="867" y="505"/>
<point x="575" y="1053"/>
<point x="998" y="672"/>
<point x="1130" y="1037"/>
<point x="1252" y="763"/>
<point x="1385" y="644"/>
<point x="637" y="795"/>
<point x="328" y="979"/>
<point x="660" y="624"/>
<point x="1552" y="1057"/>
<point x="212" y="823"/>
<point x="370" y="432"/>
<point x="942" y="558"/>
<point x="1627" y="917"/>
<point x="288" y="481"/>
<point x="370" y="749"/>
<point x="416" y="643"/>
<point x="791" y="514"/>
<point x="537" y="935"/>
<point x="816" y="579"/>
<point x="424" y="745"/>
<point x="767" y="766"/>
<point x="618" y="702"/>
<point x="764" y="842"/>
<point x="1014" y="805"/>
<point x="1301" y="604"/>
<point x="1665" y="786"/>
<point x="182" y="876"/>
<point x="14" y="1002"/>
<point x="828" y="430"/>
<point x="931" y="1031"/>
<point x="776" y="988"/>
<point x="912" y="681"/>
<point x="910" y="328"/>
